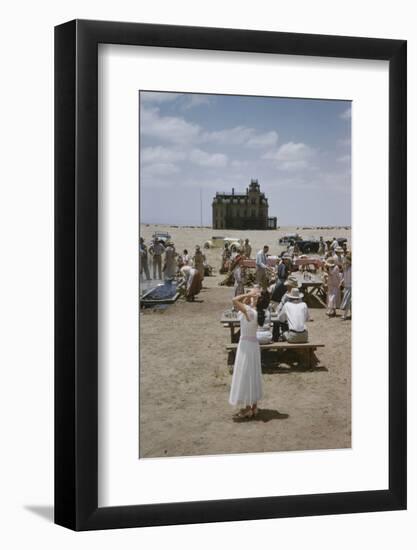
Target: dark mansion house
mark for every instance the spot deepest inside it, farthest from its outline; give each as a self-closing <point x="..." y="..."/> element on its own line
<point x="242" y="211"/>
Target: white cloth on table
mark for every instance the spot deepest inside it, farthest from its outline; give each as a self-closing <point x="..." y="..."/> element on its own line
<point x="246" y="388"/>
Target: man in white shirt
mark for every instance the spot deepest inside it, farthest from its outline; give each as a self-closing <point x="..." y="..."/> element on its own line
<point x="262" y="266"/>
<point x="295" y="313"/>
<point x="338" y="256"/>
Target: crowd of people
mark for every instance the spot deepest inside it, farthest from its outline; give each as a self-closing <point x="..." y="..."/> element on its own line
<point x="166" y="264"/>
<point x="276" y="292"/>
<point x="283" y="297"/>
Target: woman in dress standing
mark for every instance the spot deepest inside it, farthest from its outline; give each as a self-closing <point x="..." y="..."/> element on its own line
<point x="237" y="269"/>
<point x="346" y="304"/>
<point x="246" y="388"/>
<point x="199" y="260"/>
<point x="170" y="264"/>
<point x="333" y="278"/>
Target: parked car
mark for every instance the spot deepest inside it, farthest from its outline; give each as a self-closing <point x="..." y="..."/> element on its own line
<point x="161" y="236"/>
<point x="286" y="239"/>
<point x="308" y="247"/>
<point x="219" y="242"/>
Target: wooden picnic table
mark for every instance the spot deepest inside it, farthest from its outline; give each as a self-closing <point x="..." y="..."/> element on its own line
<point x="311" y="284"/>
<point x="233" y="324"/>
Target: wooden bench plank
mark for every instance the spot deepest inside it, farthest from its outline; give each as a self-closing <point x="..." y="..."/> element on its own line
<point x="282" y="345"/>
<point x="309" y="347"/>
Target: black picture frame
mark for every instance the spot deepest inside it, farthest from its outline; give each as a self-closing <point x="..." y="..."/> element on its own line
<point x="76" y="272"/>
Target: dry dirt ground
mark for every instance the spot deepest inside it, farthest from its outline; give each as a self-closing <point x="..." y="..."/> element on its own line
<point x="185" y="380"/>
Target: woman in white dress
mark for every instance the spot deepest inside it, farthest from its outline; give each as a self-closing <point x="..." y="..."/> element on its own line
<point x="333" y="279"/>
<point x="246" y="389"/>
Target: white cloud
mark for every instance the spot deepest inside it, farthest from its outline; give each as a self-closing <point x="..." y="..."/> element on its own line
<point x="160" y="154"/>
<point x="229" y="136"/>
<point x="158" y="97"/>
<point x="195" y="100"/>
<point x="202" y="158"/>
<point x="291" y="156"/>
<point x="160" y="169"/>
<point x="167" y="128"/>
<point x="346" y="115"/>
<point x="269" y="139"/>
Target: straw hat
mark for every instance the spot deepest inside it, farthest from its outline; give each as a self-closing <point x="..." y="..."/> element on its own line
<point x="292" y="282"/>
<point x="338" y="249"/>
<point x="295" y="294"/>
<point x="330" y="262"/>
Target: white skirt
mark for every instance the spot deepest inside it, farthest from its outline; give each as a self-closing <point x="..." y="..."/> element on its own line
<point x="246" y="386"/>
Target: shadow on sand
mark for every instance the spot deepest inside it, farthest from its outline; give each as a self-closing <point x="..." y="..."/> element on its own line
<point x="289" y="361"/>
<point x="288" y="368"/>
<point x="264" y="415"/>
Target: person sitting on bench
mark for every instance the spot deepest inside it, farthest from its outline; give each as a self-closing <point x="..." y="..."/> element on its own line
<point x="295" y="312"/>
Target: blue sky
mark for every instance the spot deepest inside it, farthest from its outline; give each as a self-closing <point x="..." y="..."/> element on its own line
<point x="192" y="144"/>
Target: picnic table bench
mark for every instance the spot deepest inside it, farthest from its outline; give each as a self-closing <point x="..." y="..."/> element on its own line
<point x="311" y="285"/>
<point x="233" y="324"/>
<point x="309" y="348"/>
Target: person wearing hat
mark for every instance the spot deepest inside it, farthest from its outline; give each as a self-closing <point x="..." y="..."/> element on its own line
<point x="346" y="304"/>
<point x="280" y="328"/>
<point x="192" y="281"/>
<point x="247" y="249"/>
<point x="283" y="271"/>
<point x="157" y="249"/>
<point x="335" y="244"/>
<point x="199" y="260"/>
<point x="143" y="257"/>
<point x="322" y="247"/>
<point x="225" y="261"/>
<point x="262" y="266"/>
<point x="332" y="278"/>
<point x="295" y="313"/>
<point x="170" y="264"/>
<point x="338" y="256"/>
<point x="236" y="268"/>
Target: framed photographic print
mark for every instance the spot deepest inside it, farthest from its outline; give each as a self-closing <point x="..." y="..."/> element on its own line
<point x="213" y="187"/>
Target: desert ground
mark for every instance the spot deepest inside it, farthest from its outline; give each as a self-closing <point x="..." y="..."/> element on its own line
<point x="185" y="379"/>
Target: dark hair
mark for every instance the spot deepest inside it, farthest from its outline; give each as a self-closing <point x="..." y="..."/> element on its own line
<point x="185" y="251"/>
<point x="262" y="304"/>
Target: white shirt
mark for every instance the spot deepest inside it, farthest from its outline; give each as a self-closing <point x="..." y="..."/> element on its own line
<point x="261" y="260"/>
<point x="296" y="313"/>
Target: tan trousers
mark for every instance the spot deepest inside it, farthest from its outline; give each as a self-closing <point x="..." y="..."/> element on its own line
<point x="157" y="266"/>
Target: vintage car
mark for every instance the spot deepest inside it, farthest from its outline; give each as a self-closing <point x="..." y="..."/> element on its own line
<point x="310" y="246"/>
<point x="161" y="236"/>
<point x="287" y="239"/>
<point x="219" y="242"/>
